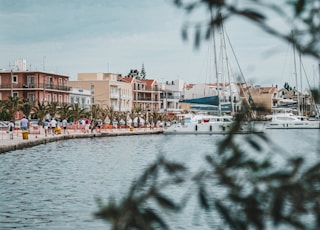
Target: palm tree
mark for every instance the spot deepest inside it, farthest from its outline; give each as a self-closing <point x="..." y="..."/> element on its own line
<point x="4" y="114"/>
<point x="53" y="108"/>
<point x="77" y="112"/>
<point x="40" y="111"/>
<point x="104" y="114"/>
<point x="111" y="114"/>
<point x="26" y="107"/>
<point x="132" y="115"/>
<point x="95" y="112"/>
<point x="65" y="111"/>
<point x="12" y="105"/>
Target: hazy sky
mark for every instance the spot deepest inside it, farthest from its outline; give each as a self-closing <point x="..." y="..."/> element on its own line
<point x="115" y="36"/>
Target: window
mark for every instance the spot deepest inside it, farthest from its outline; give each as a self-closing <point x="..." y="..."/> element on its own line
<point x="72" y="100"/>
<point x="50" y="82"/>
<point x="31" y="81"/>
<point x="15" y="94"/>
<point x="54" y="97"/>
<point x="31" y="97"/>
<point x="14" y="79"/>
<point x="60" y="81"/>
<point x="60" y="98"/>
<point x="49" y="97"/>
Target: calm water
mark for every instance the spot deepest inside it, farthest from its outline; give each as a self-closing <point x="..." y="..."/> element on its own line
<point x="54" y="186"/>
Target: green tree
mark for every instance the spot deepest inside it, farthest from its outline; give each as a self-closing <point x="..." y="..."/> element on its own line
<point x="134" y="73"/>
<point x="40" y="110"/>
<point x="12" y="105"/>
<point x="53" y="109"/>
<point x="77" y="112"/>
<point x="111" y="114"/>
<point x="95" y="112"/>
<point x="4" y="113"/>
<point x="26" y="107"/>
<point x="65" y="111"/>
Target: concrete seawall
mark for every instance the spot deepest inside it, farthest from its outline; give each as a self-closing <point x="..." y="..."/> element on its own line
<point x="18" y="142"/>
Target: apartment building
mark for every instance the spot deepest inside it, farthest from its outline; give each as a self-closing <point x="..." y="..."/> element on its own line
<point x="146" y="93"/>
<point x="34" y="85"/>
<point x="171" y="93"/>
<point x="106" y="90"/>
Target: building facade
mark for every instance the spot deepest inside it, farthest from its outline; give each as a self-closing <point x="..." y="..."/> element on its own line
<point x="146" y="93"/>
<point x="80" y="96"/>
<point x="106" y="90"/>
<point x="171" y="93"/>
<point x="34" y="85"/>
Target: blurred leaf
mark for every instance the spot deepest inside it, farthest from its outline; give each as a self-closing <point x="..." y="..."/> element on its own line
<point x="299" y="6"/>
<point x="254" y="143"/>
<point x="202" y="194"/>
<point x="164" y="202"/>
<point x="153" y="218"/>
<point x="277" y="206"/>
<point x="197" y="37"/>
<point x="184" y="33"/>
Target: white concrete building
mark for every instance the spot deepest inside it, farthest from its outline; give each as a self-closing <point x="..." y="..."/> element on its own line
<point x="171" y="92"/>
<point x="81" y="96"/>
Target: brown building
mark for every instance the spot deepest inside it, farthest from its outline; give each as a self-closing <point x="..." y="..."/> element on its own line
<point x="263" y="96"/>
<point x="35" y="86"/>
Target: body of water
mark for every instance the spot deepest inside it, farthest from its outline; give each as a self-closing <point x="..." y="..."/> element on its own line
<point x="54" y="186"/>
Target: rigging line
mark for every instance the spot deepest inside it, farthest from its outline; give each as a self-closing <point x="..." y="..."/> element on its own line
<point x="312" y="99"/>
<point x="228" y="68"/>
<point x="241" y="73"/>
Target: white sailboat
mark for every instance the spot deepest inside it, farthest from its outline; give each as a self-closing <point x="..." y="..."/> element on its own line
<point x="283" y="118"/>
<point x="203" y="123"/>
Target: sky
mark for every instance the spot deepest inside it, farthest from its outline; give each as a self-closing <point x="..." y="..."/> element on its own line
<point x="71" y="37"/>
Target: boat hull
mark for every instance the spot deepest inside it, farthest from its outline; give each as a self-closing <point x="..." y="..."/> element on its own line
<point x="214" y="128"/>
<point x="293" y="125"/>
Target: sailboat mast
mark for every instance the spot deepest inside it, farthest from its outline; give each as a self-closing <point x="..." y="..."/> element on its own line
<point x="227" y="66"/>
<point x="215" y="63"/>
<point x="295" y="72"/>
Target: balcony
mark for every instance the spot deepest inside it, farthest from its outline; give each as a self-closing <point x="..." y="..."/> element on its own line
<point x="24" y="86"/>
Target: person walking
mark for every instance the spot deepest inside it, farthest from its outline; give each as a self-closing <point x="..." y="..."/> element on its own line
<point x="87" y="126"/>
<point x="53" y="123"/>
<point x="64" y="125"/>
<point x="24" y="123"/>
<point x="46" y="127"/>
<point x="10" y="129"/>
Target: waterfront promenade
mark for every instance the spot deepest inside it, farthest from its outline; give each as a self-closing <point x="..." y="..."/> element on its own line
<point x="38" y="137"/>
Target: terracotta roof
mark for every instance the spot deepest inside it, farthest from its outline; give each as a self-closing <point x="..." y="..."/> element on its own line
<point x="149" y="83"/>
<point x="189" y="86"/>
<point x="127" y="79"/>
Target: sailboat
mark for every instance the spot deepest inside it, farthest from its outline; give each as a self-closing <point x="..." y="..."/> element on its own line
<point x="204" y="123"/>
<point x="283" y="118"/>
